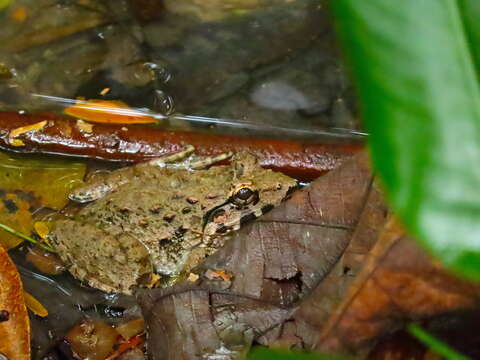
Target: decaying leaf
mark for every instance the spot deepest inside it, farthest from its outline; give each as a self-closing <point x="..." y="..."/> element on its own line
<point x="328" y="270"/>
<point x="49" y="181"/>
<point x="15" y="327"/>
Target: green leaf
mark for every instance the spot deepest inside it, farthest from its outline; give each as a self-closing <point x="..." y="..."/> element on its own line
<point x="470" y="11"/>
<point x="260" y="353"/>
<point x="435" y="344"/>
<point x="414" y="67"/>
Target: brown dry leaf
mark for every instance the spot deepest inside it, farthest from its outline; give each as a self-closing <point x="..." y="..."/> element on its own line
<point x="398" y="283"/>
<point x="334" y="241"/>
<point x="387" y="283"/>
<point x="14" y="332"/>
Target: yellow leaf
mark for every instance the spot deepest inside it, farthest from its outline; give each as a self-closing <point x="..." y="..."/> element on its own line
<point x="34" y="305"/>
<point x="49" y="180"/>
<point x="16" y="142"/>
<point x="41" y="228"/>
<point x="84" y="126"/>
<point x="24" y="129"/>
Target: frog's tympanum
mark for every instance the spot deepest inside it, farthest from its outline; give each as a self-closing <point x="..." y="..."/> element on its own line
<point x="161" y="217"/>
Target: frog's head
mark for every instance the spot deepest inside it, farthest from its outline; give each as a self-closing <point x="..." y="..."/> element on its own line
<point x="254" y="191"/>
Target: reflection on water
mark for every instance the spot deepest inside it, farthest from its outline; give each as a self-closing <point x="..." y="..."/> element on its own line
<point x="272" y="63"/>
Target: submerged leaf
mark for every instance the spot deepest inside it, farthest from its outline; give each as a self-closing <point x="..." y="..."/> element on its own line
<point x="414" y="65"/>
<point x="27" y="184"/>
<point x="15" y="213"/>
<point x="50" y="180"/>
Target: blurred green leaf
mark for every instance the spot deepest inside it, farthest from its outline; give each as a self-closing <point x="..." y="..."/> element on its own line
<point x="260" y="353"/>
<point x="4" y="3"/>
<point x="470" y="12"/>
<point x="414" y="67"/>
<point x="435" y="344"/>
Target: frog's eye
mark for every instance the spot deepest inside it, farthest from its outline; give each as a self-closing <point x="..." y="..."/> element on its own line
<point x="244" y="196"/>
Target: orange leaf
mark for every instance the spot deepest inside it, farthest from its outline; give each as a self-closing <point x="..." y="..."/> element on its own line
<point x="104" y="111"/>
<point x="19" y="15"/>
<point x="14" y="332"/>
<point x="25" y="129"/>
<point x="223" y="274"/>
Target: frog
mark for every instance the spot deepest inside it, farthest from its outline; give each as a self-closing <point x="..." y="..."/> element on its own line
<point x="162" y="217"/>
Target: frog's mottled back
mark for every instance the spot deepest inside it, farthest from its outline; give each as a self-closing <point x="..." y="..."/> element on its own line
<point x="176" y="213"/>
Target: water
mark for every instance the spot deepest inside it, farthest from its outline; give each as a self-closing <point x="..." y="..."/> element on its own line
<point x="242" y="67"/>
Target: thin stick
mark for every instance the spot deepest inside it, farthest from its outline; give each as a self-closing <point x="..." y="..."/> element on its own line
<point x="25" y="237"/>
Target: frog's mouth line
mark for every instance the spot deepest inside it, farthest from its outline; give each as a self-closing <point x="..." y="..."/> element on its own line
<point x="246" y="216"/>
<point x="208" y="217"/>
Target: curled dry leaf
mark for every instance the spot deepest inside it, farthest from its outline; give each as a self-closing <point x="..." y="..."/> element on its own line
<point x="399" y="283"/>
<point x="15" y="331"/>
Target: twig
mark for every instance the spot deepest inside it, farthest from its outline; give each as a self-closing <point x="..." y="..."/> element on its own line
<point x="25" y="237"/>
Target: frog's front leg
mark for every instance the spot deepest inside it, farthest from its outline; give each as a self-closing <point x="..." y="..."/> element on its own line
<point x="203" y="163"/>
<point x="102" y="185"/>
<point x="161" y="161"/>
